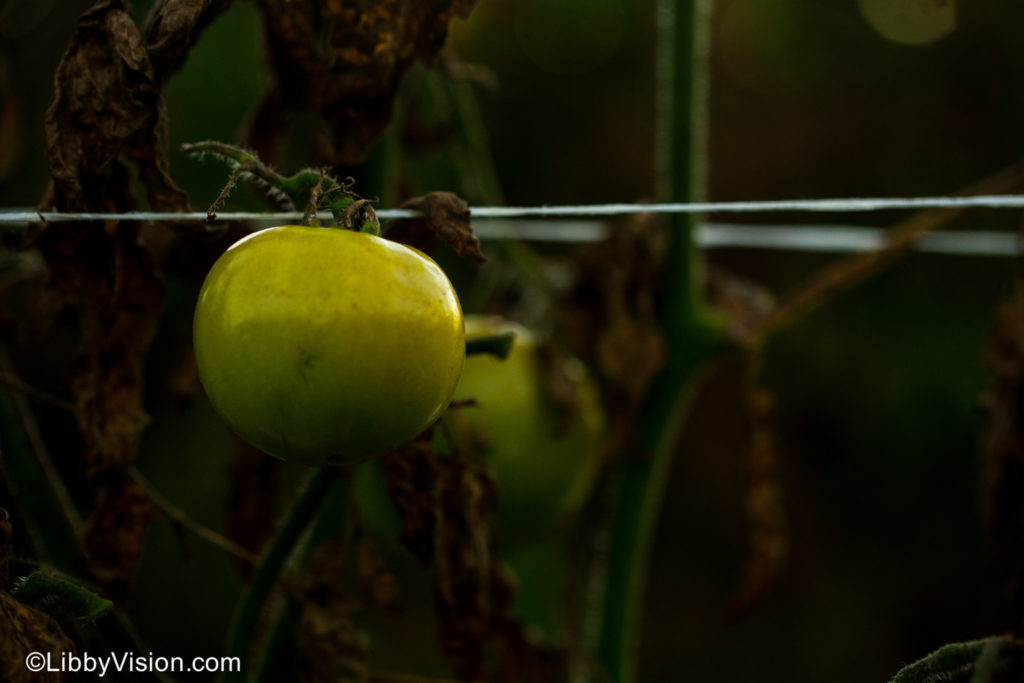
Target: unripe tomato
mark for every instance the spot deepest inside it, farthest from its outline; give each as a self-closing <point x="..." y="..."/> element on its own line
<point x="545" y="468"/>
<point x="327" y="346"/>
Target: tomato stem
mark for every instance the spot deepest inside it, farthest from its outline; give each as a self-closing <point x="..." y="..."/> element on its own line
<point x="690" y="335"/>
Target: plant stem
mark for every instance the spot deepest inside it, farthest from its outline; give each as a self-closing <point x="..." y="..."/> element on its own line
<point x="689" y="333"/>
<point x="267" y="573"/>
<point x="181" y="517"/>
<point x="49" y="512"/>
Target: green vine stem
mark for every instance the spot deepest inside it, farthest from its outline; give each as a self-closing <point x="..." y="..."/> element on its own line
<point x="281" y="548"/>
<point x="691" y="335"/>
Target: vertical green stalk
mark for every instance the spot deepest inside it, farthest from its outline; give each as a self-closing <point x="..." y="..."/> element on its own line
<point x="281" y="548"/>
<point x="689" y="333"/>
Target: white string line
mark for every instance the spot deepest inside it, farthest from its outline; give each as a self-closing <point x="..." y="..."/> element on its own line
<point x="804" y="238"/>
<point x="855" y="204"/>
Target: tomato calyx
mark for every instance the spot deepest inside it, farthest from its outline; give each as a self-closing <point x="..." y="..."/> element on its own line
<point x="314" y="189"/>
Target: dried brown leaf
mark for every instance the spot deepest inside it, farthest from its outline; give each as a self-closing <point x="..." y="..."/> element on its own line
<point x="24" y="630"/>
<point x="611" y="316"/>
<point x="410" y="473"/>
<point x="331" y="648"/>
<point x="445" y="218"/>
<point x="114" y="531"/>
<point x="173" y="26"/>
<point x="343" y="60"/>
<point x="107" y="103"/>
<point x="768" y="540"/>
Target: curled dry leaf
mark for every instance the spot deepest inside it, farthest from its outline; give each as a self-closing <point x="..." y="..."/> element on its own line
<point x="107" y="106"/>
<point x="173" y="26"/>
<point x="24" y="630"/>
<point x="331" y="648"/>
<point x="446" y="218"/>
<point x="768" y="535"/>
<point x="410" y="472"/>
<point x="447" y="506"/>
<point x="610" y="318"/>
<point x="114" y="531"/>
<point x="107" y="103"/>
<point x="343" y="60"/>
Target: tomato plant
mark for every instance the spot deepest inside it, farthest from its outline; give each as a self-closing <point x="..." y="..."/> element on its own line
<point x="327" y="346"/>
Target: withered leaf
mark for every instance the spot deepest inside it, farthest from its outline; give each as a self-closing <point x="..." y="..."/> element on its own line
<point x="410" y="473"/>
<point x="173" y="26"/>
<point x="768" y="535"/>
<point x="114" y="531"/>
<point x="24" y="630"/>
<point x="343" y="61"/>
<point x="445" y="217"/>
<point x="107" y="103"/>
<point x="611" y="316"/>
<point x="464" y="560"/>
<point x="331" y="648"/>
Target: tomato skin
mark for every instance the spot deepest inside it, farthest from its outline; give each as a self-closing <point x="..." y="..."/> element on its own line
<point x="327" y="346"/>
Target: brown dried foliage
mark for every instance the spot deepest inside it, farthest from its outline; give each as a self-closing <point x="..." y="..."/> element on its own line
<point x="610" y="318"/>
<point x="114" y="531"/>
<point x="23" y="630"/>
<point x="447" y="506"/>
<point x="768" y="544"/>
<point x="108" y="108"/>
<point x="331" y="648"/>
<point x="342" y="60"/>
<point x="446" y="218"/>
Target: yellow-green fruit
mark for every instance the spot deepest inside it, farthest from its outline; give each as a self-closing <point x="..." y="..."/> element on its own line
<point x="545" y="463"/>
<point x="326" y="346"/>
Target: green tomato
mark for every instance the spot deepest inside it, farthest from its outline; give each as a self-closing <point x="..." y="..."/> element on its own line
<point x="325" y="346"/>
<point x="545" y="469"/>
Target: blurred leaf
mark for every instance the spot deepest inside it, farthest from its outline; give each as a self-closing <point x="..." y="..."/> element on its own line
<point x="24" y="630"/>
<point x="342" y="61"/>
